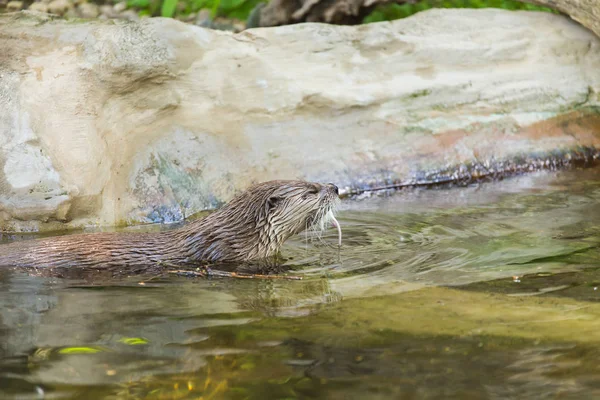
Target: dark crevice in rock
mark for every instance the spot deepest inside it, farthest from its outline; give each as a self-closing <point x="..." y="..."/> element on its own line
<point x="466" y="174"/>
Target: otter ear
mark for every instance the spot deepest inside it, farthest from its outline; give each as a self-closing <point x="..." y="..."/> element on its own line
<point x="272" y="202"/>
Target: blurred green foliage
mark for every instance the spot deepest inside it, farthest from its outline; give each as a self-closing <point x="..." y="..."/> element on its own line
<point x="240" y="9"/>
<point x="390" y="12"/>
<point x="168" y="8"/>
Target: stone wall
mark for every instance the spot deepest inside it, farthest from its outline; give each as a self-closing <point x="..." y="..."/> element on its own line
<point x="105" y="123"/>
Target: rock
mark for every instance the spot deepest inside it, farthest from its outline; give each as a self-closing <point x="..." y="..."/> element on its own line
<point x="120" y="7"/>
<point x="59" y="7"/>
<point x="204" y="19"/>
<point x="14" y="5"/>
<point x="39" y="7"/>
<point x="586" y="12"/>
<point x="130" y="15"/>
<point x="157" y="119"/>
<point x="71" y="13"/>
<point x="190" y="18"/>
<point x="107" y="11"/>
<point x="88" y="10"/>
<point x="228" y="24"/>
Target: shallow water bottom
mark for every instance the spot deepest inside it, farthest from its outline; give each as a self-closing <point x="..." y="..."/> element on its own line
<point x="484" y="292"/>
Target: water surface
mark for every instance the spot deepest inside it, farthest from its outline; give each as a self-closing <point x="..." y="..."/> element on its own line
<point x="489" y="291"/>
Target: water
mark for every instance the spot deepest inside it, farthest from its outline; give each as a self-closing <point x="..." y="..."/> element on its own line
<point x="484" y="292"/>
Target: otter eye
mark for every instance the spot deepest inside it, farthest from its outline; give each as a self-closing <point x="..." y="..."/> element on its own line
<point x="313" y="190"/>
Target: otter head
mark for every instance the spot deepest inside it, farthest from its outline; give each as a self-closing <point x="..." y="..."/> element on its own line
<point x="255" y="224"/>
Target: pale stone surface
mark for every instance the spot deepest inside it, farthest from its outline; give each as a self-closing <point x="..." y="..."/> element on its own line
<point x="107" y="123"/>
<point x="586" y="12"/>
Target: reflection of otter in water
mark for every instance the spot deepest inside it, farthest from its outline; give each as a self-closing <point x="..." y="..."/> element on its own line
<point x="252" y="226"/>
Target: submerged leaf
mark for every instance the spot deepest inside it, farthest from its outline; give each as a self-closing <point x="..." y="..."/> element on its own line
<point x="80" y="350"/>
<point x="133" y="341"/>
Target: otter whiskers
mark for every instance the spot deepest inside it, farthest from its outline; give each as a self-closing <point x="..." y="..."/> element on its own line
<point x="339" y="228"/>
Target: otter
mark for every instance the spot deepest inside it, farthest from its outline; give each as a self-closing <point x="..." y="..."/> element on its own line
<point x="252" y="226"/>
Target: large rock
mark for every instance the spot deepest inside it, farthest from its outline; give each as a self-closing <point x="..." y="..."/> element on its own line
<point x="105" y="123"/>
<point x="586" y="12"/>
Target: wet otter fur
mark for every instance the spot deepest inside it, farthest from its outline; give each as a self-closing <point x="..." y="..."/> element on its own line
<point x="252" y="226"/>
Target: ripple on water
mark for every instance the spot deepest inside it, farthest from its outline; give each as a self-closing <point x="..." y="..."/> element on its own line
<point x="446" y="237"/>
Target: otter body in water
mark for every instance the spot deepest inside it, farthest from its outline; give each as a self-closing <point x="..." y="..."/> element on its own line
<point x="252" y="226"/>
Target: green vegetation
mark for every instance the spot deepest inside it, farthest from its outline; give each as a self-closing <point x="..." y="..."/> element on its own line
<point x="390" y="12"/>
<point x="239" y="9"/>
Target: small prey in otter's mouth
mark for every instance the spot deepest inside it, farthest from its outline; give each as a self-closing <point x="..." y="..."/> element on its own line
<point x="252" y="226"/>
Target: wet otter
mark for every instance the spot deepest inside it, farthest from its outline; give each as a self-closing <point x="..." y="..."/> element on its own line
<point x="252" y="226"/>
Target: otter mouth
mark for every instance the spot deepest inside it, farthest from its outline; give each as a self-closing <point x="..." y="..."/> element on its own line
<point x="325" y="217"/>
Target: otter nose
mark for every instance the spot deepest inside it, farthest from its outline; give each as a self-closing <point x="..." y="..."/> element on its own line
<point x="334" y="188"/>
